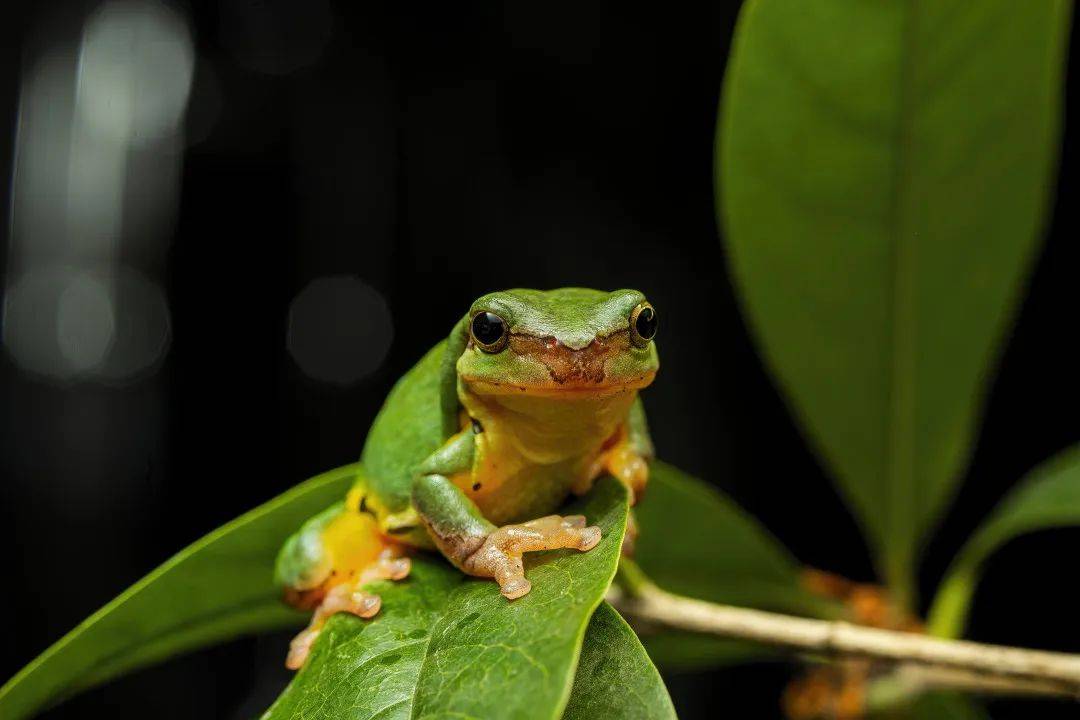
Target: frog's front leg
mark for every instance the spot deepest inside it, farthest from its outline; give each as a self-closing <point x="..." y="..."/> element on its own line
<point x="475" y="545"/>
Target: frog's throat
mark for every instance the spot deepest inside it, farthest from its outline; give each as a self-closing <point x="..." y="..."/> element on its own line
<point x="544" y="429"/>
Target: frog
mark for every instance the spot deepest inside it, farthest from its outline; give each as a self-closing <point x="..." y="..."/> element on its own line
<point x="531" y="398"/>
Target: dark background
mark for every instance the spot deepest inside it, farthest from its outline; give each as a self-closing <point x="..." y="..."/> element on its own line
<point x="436" y="154"/>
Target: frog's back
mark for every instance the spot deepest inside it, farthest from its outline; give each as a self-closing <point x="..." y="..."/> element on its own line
<point x="406" y="430"/>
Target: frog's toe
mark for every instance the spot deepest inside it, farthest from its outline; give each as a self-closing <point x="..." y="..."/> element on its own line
<point x="588" y="538"/>
<point x="356" y="602"/>
<point x="396" y="568"/>
<point x="300" y="648"/>
<point x="509" y="572"/>
<point x="346" y="598"/>
<point x="515" y="588"/>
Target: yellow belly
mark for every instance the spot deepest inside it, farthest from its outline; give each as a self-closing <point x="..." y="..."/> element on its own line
<point x="533" y="451"/>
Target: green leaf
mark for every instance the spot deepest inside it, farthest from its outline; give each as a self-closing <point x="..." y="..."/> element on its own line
<point x="215" y="589"/>
<point x="445" y="645"/>
<point x="1048" y="497"/>
<point x="615" y="678"/>
<point x="883" y="171"/>
<point x="695" y="541"/>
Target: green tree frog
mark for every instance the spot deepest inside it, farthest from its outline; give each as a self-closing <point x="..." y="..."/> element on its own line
<point x="531" y="398"/>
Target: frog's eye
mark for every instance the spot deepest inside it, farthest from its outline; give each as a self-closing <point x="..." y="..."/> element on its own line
<point x="489" y="331"/>
<point x="643" y="324"/>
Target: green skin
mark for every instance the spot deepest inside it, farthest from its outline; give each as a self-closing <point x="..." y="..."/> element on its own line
<point x="545" y="406"/>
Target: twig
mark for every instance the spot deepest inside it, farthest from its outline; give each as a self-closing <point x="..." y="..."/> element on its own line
<point x="922" y="662"/>
<point x="911" y="679"/>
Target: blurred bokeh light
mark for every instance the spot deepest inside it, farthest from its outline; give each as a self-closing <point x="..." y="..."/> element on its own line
<point x="96" y="177"/>
<point x="339" y="330"/>
<point x="135" y="70"/>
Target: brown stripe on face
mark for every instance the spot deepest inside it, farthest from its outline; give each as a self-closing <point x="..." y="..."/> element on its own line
<point x="572" y="367"/>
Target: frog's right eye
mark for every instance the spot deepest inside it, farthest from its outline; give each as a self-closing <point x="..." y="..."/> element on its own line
<point x="643" y="324"/>
<point x="489" y="331"/>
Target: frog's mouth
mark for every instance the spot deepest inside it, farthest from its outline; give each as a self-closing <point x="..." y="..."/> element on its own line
<point x="605" y="366"/>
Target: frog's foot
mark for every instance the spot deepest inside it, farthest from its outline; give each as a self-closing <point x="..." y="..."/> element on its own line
<point x="630" y="467"/>
<point x="622" y="460"/>
<point x="348" y="597"/>
<point x="499" y="557"/>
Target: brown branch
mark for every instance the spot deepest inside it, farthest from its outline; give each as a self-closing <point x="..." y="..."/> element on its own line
<point x="922" y="662"/>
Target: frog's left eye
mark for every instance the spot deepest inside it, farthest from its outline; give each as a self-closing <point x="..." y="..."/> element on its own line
<point x="643" y="324"/>
<point x="489" y="331"/>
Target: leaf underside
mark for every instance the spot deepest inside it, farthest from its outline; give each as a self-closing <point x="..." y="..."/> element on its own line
<point x="615" y="678"/>
<point x="695" y="541"/>
<point x="882" y="170"/>
<point x="218" y="588"/>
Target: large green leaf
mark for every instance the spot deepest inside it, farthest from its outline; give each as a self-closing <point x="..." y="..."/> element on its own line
<point x="217" y="588"/>
<point x="1048" y="497"/>
<point x="444" y="645"/>
<point x="615" y="678"/>
<point x="695" y="541"/>
<point x="883" y="170"/>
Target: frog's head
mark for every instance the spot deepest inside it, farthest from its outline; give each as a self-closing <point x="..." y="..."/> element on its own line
<point x="571" y="340"/>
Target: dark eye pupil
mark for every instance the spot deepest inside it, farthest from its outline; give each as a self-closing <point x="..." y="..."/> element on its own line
<point x="488" y="328"/>
<point x="646" y="323"/>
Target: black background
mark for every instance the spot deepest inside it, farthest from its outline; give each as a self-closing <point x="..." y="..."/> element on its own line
<point x="438" y="153"/>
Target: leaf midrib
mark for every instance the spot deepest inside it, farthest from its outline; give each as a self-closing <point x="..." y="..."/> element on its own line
<point x="901" y="390"/>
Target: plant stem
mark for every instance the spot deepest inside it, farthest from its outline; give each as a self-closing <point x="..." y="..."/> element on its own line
<point x="950" y="606"/>
<point x="922" y="662"/>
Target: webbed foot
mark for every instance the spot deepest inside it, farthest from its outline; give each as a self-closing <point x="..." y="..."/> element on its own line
<point x="347" y="597"/>
<point x="499" y="557"/>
